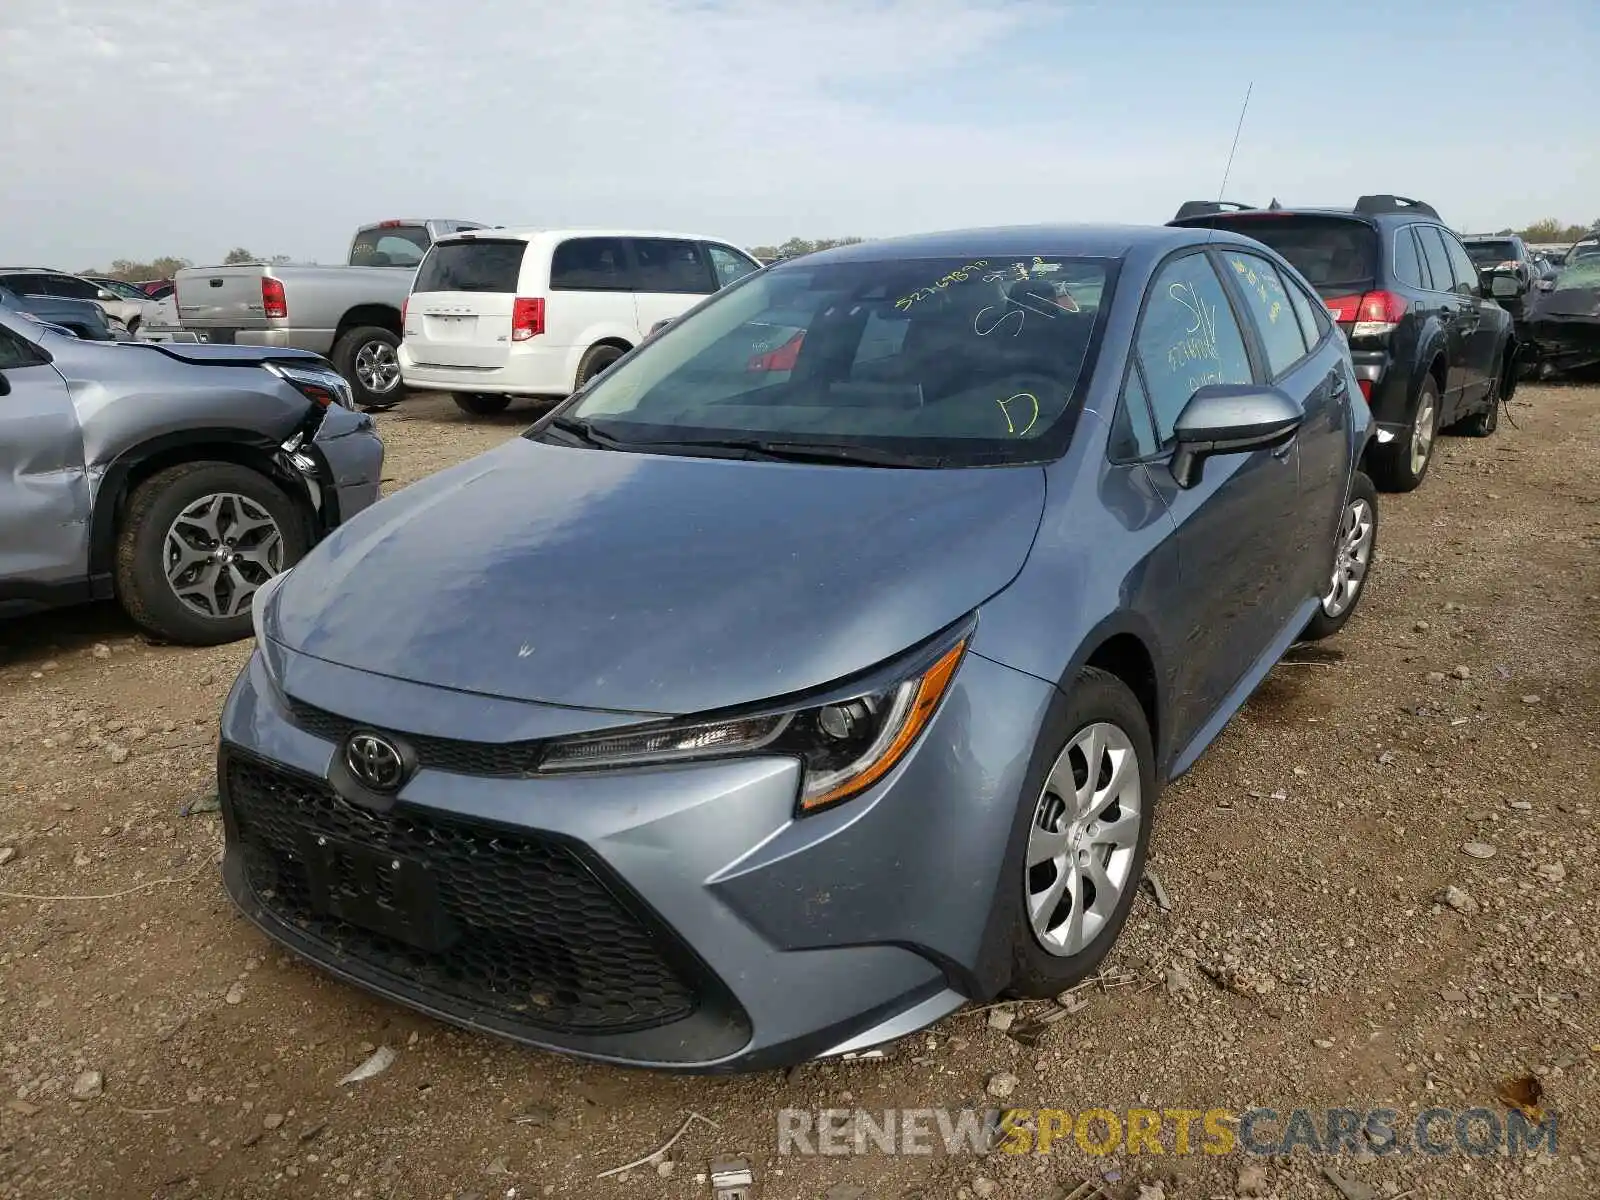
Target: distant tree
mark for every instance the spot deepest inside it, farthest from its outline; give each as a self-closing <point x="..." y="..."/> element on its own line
<point x="238" y="255"/>
<point x="796" y="246"/>
<point x="131" y="271"/>
<point x="1552" y="230"/>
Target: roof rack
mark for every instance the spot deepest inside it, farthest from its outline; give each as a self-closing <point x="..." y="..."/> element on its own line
<point x="1385" y="203"/>
<point x="1204" y="208"/>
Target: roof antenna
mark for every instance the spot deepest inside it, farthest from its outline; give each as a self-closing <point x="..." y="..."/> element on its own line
<point x="1226" y="171"/>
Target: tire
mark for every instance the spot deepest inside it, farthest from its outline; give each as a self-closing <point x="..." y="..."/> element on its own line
<point x="1482" y="424"/>
<point x="480" y="404"/>
<point x="597" y="359"/>
<point x="1097" y="700"/>
<point x="133" y="327"/>
<point x="1394" y="466"/>
<point x="150" y="522"/>
<point x="1354" y="551"/>
<point x="368" y="358"/>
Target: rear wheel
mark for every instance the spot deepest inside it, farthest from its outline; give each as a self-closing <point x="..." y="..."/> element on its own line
<point x="1353" y="548"/>
<point x="196" y="542"/>
<point x="480" y="404"/>
<point x="597" y="359"/>
<point x="1400" y="465"/>
<point x="369" y="358"/>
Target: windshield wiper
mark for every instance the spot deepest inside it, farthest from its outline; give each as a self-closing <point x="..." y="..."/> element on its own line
<point x="585" y="434"/>
<point x="870" y="456"/>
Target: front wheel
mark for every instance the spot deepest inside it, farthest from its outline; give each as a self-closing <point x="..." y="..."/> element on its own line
<point x="1400" y="465"/>
<point x="1353" y="548"/>
<point x="1482" y="424"/>
<point x="369" y="359"/>
<point x="196" y="542"/>
<point x="1080" y="865"/>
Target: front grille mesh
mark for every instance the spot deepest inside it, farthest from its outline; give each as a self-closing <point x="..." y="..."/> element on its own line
<point x="533" y="934"/>
<point x="503" y="760"/>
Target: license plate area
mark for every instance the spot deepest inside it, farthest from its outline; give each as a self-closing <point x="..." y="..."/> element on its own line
<point x="379" y="891"/>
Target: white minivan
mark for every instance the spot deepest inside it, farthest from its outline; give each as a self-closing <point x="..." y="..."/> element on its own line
<point x="498" y="313"/>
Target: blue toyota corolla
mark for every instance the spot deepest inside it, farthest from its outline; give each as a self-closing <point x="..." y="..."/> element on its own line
<point x="817" y="668"/>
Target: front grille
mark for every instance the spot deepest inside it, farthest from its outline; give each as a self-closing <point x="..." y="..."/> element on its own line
<point x="502" y="760"/>
<point x="513" y="923"/>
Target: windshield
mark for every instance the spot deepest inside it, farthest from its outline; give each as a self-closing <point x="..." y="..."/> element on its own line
<point x="1489" y="254"/>
<point x="968" y="360"/>
<point x="1579" y="274"/>
<point x="1583" y="250"/>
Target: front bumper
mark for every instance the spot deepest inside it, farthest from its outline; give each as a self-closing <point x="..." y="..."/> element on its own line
<point x="675" y="917"/>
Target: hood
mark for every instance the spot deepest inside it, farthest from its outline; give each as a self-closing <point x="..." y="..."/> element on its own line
<point x="206" y="354"/>
<point x="654" y="584"/>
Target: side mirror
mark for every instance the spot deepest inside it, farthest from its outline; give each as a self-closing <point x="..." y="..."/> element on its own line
<point x="1230" y="418"/>
<point x="105" y="294"/>
<point x="658" y="327"/>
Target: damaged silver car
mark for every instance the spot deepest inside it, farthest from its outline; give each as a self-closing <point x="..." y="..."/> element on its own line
<point x="176" y="479"/>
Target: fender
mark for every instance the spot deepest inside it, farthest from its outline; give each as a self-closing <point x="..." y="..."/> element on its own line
<point x="225" y="443"/>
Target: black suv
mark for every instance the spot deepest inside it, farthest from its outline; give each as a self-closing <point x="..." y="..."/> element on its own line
<point x="1507" y="267"/>
<point x="1429" y="350"/>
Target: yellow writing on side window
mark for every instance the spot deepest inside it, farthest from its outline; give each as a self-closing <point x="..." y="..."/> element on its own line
<point x="959" y="275"/>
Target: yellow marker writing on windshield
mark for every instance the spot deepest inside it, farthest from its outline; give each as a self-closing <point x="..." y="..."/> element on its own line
<point x="1005" y="408"/>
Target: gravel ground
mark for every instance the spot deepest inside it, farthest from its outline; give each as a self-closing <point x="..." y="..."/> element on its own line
<point x="153" y="1045"/>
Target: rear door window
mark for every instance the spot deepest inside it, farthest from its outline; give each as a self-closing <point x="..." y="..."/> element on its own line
<point x="1407" y="266"/>
<point x="729" y="264"/>
<point x="671" y="265"/>
<point x="472" y="265"/>
<point x="592" y="264"/>
<point x="1312" y="315"/>
<point x="1331" y="252"/>
<point x="25" y="285"/>
<point x="1188" y="338"/>
<point x="1268" y="303"/>
<point x="1435" y="258"/>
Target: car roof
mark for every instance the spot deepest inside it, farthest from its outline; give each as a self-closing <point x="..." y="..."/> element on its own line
<point x="1088" y="241"/>
<point x="530" y="233"/>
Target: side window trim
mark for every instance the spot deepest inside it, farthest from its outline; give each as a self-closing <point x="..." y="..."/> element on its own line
<point x="1265" y="362"/>
<point x="1254" y="348"/>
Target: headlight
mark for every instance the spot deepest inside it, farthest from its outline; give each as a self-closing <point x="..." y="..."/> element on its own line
<point x="321" y="385"/>
<point x="846" y="745"/>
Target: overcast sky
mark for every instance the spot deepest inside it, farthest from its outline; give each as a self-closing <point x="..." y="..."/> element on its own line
<point x="134" y="128"/>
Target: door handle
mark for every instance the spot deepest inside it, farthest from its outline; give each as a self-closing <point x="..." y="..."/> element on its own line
<point x="1341" y="385"/>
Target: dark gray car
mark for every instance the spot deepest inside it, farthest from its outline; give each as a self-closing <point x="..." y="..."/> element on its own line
<point x="177" y="479"/>
<point x="82" y="318"/>
<point x="771" y="703"/>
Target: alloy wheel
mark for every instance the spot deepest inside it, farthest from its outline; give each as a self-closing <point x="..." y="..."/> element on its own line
<point x="1083" y="839"/>
<point x="1422" y="434"/>
<point x="378" y="367"/>
<point x="218" y="551"/>
<point x="1352" y="557"/>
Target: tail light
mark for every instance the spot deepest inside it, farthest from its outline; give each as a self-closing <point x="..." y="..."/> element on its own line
<point x="1366" y="389"/>
<point x="404" y="306"/>
<point x="1373" y="313"/>
<point x="527" y="317"/>
<point x="273" y="302"/>
<point x="781" y="359"/>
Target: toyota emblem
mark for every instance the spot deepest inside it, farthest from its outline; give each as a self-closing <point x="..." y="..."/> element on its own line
<point x="375" y="761"/>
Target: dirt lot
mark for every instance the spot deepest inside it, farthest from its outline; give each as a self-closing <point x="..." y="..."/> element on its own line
<point x="1302" y="857"/>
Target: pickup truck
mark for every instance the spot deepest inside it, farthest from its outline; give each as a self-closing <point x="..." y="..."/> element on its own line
<point x="351" y="314"/>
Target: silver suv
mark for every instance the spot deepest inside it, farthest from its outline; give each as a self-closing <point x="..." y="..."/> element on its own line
<point x="176" y="478"/>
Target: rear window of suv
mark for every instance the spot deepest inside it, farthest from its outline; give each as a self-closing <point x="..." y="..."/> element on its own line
<point x="1485" y="254"/>
<point x="471" y="265"/>
<point x="1329" y="251"/>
